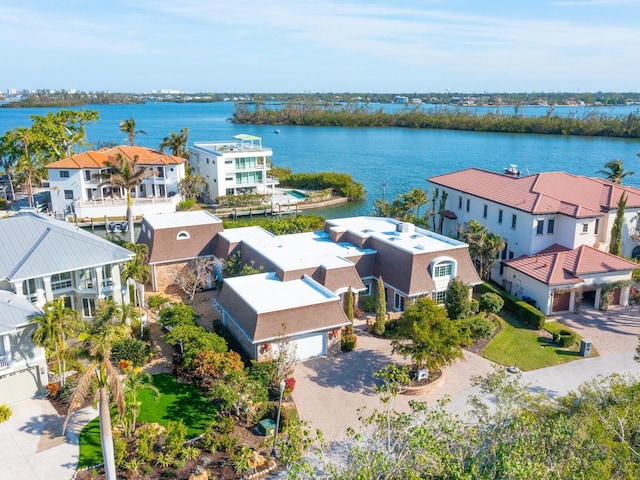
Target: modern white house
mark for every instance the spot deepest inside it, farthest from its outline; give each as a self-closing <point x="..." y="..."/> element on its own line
<point x="44" y="259"/>
<point x="554" y="213"/>
<point x="23" y="365"/>
<point x="233" y="167"/>
<point x="77" y="185"/>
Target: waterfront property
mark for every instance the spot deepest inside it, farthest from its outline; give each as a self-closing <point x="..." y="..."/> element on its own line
<point x="23" y="366"/>
<point x="233" y="167"/>
<point x="78" y="186"/>
<point x="45" y="259"/>
<point x="538" y="212"/>
<point x="174" y="239"/>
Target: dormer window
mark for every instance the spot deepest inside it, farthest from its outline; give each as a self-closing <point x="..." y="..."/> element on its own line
<point x="183" y="235"/>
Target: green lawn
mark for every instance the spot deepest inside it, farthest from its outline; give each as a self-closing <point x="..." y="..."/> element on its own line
<point x="178" y="401"/>
<point x="516" y="344"/>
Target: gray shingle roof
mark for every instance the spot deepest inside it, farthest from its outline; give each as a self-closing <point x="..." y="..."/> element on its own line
<point x="15" y="311"/>
<point x="35" y="245"/>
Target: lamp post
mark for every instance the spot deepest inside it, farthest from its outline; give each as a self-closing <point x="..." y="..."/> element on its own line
<point x="275" y="433"/>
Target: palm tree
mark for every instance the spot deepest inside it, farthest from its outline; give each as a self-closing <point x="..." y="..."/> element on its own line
<point x="192" y="185"/>
<point x="614" y="171"/>
<point x="137" y="269"/>
<point x="9" y="155"/>
<point x="124" y="174"/>
<point x="97" y="343"/>
<point x="483" y="245"/>
<point x="129" y="127"/>
<point x="54" y="326"/>
<point x="135" y="381"/>
<point x="177" y="143"/>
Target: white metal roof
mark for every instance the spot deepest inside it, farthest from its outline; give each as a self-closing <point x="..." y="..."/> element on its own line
<point x="264" y="292"/>
<point x="181" y="219"/>
<point x="15" y="311"/>
<point x="36" y="245"/>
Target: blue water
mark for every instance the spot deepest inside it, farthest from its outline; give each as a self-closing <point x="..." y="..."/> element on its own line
<point x="399" y="159"/>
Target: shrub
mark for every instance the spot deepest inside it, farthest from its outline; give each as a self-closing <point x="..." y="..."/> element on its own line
<point x="3" y="204"/>
<point x="186" y="204"/>
<point x="131" y="350"/>
<point x="177" y="314"/>
<point x="156" y="301"/>
<point x="289" y="385"/>
<point x="5" y="413"/>
<point x="175" y="438"/>
<point x="457" y="300"/>
<point x="491" y="302"/>
<point x="564" y="338"/>
<point x="477" y="327"/>
<point x="120" y="451"/>
<point x="349" y="342"/>
<point x="522" y="310"/>
<point x="53" y="389"/>
<point x="475" y="306"/>
<point x="368" y="303"/>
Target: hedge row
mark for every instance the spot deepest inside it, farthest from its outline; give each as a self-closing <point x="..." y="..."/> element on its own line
<point x="519" y="308"/>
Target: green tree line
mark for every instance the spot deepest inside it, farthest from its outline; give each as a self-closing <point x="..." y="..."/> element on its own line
<point x="592" y="123"/>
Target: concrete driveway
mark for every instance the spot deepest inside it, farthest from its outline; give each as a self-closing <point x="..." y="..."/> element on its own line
<point x="612" y="331"/>
<point x="330" y="390"/>
<point x="31" y="444"/>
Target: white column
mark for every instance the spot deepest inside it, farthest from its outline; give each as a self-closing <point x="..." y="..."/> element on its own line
<point x="48" y="291"/>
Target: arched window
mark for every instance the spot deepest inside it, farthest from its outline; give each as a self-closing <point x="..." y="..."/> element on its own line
<point x="183" y="235"/>
<point x="443" y="267"/>
<point x="636" y="253"/>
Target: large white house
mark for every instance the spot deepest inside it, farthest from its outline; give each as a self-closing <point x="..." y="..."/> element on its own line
<point x="77" y="184"/>
<point x="44" y="259"/>
<point x="233" y="167"/>
<point x="548" y="217"/>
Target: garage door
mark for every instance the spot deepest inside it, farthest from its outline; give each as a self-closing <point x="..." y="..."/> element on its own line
<point x="561" y="301"/>
<point x="308" y="346"/>
<point x="20" y="385"/>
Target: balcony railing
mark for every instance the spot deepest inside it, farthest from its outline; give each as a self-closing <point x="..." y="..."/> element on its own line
<point x="122" y="202"/>
<point x="107" y="282"/>
<point x="5" y="361"/>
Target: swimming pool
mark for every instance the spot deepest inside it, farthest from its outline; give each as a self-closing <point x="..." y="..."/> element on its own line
<point x="297" y="194"/>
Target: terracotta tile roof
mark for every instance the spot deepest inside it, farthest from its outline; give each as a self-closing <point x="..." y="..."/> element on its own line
<point x="556" y="265"/>
<point x="542" y="193"/>
<point x="97" y="158"/>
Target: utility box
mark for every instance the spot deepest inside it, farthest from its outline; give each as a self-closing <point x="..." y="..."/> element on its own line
<point x="585" y="348"/>
<point x="266" y="427"/>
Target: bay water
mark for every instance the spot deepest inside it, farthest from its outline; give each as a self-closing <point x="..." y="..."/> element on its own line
<point x="385" y="160"/>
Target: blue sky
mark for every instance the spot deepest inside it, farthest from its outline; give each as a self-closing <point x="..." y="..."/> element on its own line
<point x="321" y="45"/>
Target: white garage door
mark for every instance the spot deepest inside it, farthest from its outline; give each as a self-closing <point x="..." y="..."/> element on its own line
<point x="19" y="385"/>
<point x="308" y="346"/>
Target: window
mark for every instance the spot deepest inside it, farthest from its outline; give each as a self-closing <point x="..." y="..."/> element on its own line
<point x="442" y="270"/>
<point x="510" y="254"/>
<point x="367" y="286"/>
<point x="459" y="203"/>
<point x="514" y="220"/>
<point x="485" y="209"/>
<point x="64" y="173"/>
<point x="183" y="235"/>
<point x="596" y="230"/>
<point x="436" y="192"/>
<point x="61" y="280"/>
<point x="398" y="302"/>
<point x="30" y="289"/>
<point x="504" y="250"/>
<point x="585" y="228"/>
<point x="501" y="268"/>
<point x="68" y="194"/>
<point x="540" y="227"/>
<point x="440" y="297"/>
<point x="500" y="217"/>
<point x="107" y="277"/>
<point x="86" y="278"/>
<point x="88" y="307"/>
<point x="550" y="226"/>
<point x="468" y="204"/>
<point x="87" y="175"/>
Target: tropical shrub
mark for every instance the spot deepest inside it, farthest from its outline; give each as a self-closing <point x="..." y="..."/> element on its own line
<point x="368" y="303"/>
<point x="186" y="204"/>
<point x="348" y="342"/>
<point x="133" y="351"/>
<point x="477" y="327"/>
<point x="5" y="413"/>
<point x="156" y="301"/>
<point x="53" y="389"/>
<point x="177" y="314"/>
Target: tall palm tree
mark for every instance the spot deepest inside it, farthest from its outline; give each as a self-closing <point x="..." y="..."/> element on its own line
<point x="124" y="174"/>
<point x="614" y="171"/>
<point x="97" y="344"/>
<point x="177" y="143"/>
<point x="129" y="127"/>
<point x="9" y="154"/>
<point x="137" y="269"/>
<point x="483" y="245"/>
<point x="54" y="327"/>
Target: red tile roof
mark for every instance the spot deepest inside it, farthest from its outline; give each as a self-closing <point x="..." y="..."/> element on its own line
<point x="542" y="193"/>
<point x="557" y="265"/>
<point x="97" y="158"/>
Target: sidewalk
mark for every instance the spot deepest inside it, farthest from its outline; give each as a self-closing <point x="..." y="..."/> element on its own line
<point x="31" y="444"/>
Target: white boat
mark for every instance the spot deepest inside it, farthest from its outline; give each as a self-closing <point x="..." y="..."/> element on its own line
<point x="277" y="130"/>
<point x="512" y="170"/>
<point x="118" y="227"/>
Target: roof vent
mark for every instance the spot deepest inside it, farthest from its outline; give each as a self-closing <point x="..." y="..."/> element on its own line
<point x="405" y="227"/>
